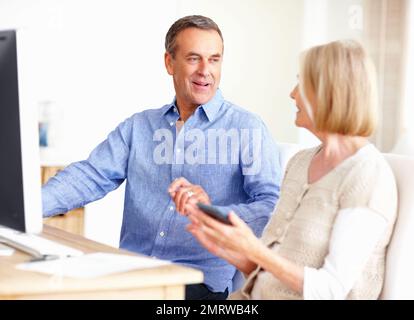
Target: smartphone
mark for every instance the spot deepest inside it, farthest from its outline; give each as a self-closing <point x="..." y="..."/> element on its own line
<point x="214" y="212"/>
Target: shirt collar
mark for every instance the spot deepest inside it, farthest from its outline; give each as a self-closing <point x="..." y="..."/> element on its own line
<point x="210" y="109"/>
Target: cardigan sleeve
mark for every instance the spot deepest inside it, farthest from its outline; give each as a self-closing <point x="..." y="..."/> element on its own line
<point x="355" y="234"/>
<point x="371" y="184"/>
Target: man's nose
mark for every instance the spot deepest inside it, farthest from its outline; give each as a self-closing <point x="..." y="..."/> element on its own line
<point x="203" y="68"/>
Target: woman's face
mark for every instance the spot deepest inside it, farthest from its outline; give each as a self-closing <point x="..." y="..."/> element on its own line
<point x="302" y="117"/>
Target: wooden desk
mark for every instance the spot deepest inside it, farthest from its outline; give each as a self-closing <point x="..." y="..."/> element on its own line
<point x="74" y="220"/>
<point x="165" y="282"/>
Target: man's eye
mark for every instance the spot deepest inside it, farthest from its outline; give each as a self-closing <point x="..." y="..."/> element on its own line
<point x="192" y="59"/>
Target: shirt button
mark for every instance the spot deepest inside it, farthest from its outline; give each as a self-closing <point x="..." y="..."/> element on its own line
<point x="178" y="150"/>
<point x="175" y="109"/>
<point x="171" y="208"/>
<point x="162" y="233"/>
<point x="171" y="124"/>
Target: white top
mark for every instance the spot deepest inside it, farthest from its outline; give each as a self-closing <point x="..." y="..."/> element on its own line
<point x="349" y="250"/>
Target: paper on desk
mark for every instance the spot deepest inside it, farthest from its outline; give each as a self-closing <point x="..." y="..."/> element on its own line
<point x="92" y="265"/>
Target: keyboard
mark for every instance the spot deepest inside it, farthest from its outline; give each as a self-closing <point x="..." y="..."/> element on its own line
<point x="36" y="245"/>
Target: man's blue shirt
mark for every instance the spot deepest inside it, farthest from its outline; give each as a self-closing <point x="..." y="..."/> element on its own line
<point x="226" y="150"/>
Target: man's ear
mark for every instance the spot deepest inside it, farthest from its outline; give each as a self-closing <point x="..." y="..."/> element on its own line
<point x="168" y="59"/>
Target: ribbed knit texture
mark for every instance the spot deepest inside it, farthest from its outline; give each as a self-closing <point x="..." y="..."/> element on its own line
<point x="301" y="225"/>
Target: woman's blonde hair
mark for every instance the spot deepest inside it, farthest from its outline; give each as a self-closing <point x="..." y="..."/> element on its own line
<point x="343" y="80"/>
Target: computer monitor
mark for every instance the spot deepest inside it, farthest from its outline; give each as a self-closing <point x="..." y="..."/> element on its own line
<point x="20" y="185"/>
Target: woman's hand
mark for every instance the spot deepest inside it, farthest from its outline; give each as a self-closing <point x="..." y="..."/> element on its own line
<point x="232" y="243"/>
<point x="238" y="245"/>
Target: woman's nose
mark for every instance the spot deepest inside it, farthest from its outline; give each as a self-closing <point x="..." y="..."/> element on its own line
<point x="293" y="93"/>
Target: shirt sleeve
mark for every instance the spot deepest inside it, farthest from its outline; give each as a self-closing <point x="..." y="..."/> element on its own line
<point x="355" y="234"/>
<point x="261" y="181"/>
<point x="89" y="180"/>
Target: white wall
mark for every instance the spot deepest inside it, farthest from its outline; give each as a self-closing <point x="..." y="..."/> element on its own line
<point x="101" y="61"/>
<point x="405" y="142"/>
<point x="262" y="41"/>
<point x="329" y="20"/>
<point x="260" y="67"/>
<point x="408" y="114"/>
<point x="95" y="60"/>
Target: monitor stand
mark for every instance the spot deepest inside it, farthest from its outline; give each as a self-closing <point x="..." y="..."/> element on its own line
<point x="39" y="248"/>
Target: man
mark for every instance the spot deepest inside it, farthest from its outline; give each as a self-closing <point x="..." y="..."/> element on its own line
<point x="198" y="148"/>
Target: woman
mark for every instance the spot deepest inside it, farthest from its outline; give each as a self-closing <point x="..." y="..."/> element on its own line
<point x="328" y="236"/>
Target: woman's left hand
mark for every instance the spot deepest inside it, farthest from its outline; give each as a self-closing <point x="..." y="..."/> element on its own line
<point x="237" y="237"/>
<point x="237" y="244"/>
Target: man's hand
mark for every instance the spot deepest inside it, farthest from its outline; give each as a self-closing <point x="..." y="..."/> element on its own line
<point x="183" y="192"/>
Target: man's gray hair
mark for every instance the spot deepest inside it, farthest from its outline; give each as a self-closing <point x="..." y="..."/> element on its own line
<point x="195" y="21"/>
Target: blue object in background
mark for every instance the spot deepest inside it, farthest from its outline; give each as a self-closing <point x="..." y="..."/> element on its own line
<point x="43" y="129"/>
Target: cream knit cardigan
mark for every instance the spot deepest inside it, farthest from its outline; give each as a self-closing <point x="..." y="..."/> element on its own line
<point x="301" y="225"/>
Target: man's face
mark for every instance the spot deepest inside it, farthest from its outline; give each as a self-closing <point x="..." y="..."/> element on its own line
<point x="196" y="67"/>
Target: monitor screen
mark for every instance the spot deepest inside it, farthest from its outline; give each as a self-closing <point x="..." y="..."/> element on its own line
<point x="20" y="202"/>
